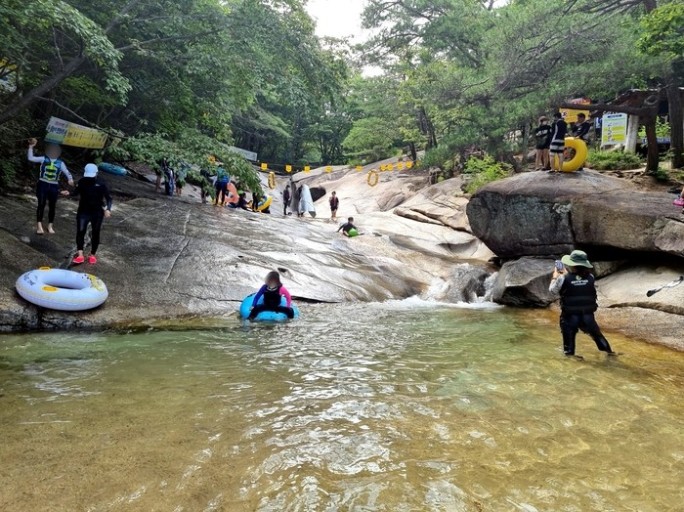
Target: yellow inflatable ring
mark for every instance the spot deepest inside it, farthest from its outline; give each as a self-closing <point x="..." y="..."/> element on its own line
<point x="264" y="203"/>
<point x="63" y="290"/>
<point x="373" y="177"/>
<point x="581" y="153"/>
<point x="271" y="180"/>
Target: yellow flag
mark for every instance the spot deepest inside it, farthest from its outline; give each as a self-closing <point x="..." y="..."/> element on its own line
<point x="409" y="164"/>
<point x="400" y="166"/>
<point x="264" y="167"/>
<point x="390" y="167"/>
<point x="383" y="167"/>
<point x="307" y="168"/>
<point x="288" y="168"/>
<point x="328" y="168"/>
<point x="359" y="168"/>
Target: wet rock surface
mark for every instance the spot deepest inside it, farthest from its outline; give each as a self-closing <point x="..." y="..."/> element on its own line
<point x="524" y="283"/>
<point x="169" y="261"/>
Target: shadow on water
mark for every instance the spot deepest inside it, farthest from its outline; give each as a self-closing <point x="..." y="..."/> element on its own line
<point x="401" y="406"/>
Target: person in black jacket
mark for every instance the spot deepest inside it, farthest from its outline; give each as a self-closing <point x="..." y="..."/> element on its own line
<point x="287" y="197"/>
<point x="557" y="147"/>
<point x="543" y="135"/>
<point x="582" y="127"/>
<point x="577" y="288"/>
<point x="95" y="204"/>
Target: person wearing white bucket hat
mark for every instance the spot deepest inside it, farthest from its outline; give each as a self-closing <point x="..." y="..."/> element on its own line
<point x="574" y="282"/>
<point x="95" y="203"/>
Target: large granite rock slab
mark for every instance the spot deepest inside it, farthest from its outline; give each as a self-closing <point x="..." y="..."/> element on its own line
<point x="542" y="214"/>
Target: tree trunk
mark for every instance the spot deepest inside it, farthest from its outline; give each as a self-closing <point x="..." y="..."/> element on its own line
<point x="674" y="99"/>
<point x="412" y="150"/>
<point x="525" y="143"/>
<point x="27" y="99"/>
<point x="648" y="113"/>
<point x="652" y="161"/>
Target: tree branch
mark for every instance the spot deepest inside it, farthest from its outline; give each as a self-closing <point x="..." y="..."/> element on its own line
<point x="83" y="119"/>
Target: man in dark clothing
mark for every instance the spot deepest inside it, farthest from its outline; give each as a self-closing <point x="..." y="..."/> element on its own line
<point x="543" y="135"/>
<point x="582" y="127"/>
<point x="287" y="197"/>
<point x="95" y="204"/>
<point x="560" y="130"/>
<point x="577" y="290"/>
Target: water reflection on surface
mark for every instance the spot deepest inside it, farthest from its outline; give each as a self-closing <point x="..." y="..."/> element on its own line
<point x="389" y="407"/>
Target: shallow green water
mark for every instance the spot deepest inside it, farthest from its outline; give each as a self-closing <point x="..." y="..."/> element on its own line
<point x="395" y="407"/>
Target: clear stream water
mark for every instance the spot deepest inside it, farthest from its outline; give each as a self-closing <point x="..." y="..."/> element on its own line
<point x="401" y="406"/>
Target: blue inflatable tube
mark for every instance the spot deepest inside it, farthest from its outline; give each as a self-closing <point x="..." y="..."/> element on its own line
<point x="112" y="169"/>
<point x="265" y="316"/>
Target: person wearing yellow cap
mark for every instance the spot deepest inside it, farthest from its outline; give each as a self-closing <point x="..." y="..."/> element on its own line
<point x="576" y="285"/>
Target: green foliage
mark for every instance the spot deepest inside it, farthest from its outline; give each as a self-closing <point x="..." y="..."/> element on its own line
<point x="189" y="148"/>
<point x="613" y="160"/>
<point x="662" y="129"/>
<point x="484" y="170"/>
<point x="245" y="72"/>
<point x="442" y="156"/>
<point x="661" y="175"/>
<point x="663" y="31"/>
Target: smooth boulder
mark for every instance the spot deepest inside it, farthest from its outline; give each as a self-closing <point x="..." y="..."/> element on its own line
<point x="543" y="214"/>
<point x="524" y="283"/>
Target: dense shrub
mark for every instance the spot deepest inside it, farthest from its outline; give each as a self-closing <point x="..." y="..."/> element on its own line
<point x="190" y="148"/>
<point x="613" y="160"/>
<point x="484" y="170"/>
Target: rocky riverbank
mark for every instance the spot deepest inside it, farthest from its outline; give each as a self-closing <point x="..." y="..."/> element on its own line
<point x="178" y="263"/>
<point x="635" y="237"/>
<point x="174" y="262"/>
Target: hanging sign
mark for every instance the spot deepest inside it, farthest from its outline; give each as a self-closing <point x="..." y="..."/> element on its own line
<point x="614" y="132"/>
<point x="64" y="132"/>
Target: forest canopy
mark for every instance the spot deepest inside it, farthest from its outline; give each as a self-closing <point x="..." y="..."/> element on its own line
<point x="449" y="74"/>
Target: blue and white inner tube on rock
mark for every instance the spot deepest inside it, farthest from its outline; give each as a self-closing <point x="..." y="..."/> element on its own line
<point x="62" y="290"/>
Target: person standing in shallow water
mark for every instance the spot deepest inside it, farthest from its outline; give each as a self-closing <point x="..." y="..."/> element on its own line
<point x="577" y="289"/>
<point x="47" y="190"/>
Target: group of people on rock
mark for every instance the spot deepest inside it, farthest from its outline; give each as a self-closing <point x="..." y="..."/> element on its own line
<point x="95" y="201"/>
<point x="572" y="278"/>
<point x="550" y="140"/>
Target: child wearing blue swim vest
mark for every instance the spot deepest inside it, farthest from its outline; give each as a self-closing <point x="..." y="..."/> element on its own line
<point x="47" y="189"/>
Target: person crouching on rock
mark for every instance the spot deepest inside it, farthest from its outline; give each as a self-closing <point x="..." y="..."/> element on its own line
<point x="347" y="227"/>
<point x="577" y="289"/>
<point x="95" y="204"/>
<point x="47" y="190"/>
<point x="272" y="292"/>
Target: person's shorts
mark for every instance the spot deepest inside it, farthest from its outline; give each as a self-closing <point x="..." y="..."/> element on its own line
<point x="557" y="146"/>
<point x="542" y="147"/>
<point x="333" y="209"/>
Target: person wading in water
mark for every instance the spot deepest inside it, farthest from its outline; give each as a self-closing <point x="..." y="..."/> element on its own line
<point x="574" y="282"/>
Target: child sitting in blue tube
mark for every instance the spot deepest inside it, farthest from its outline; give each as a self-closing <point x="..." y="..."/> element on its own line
<point x="272" y="292"/>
